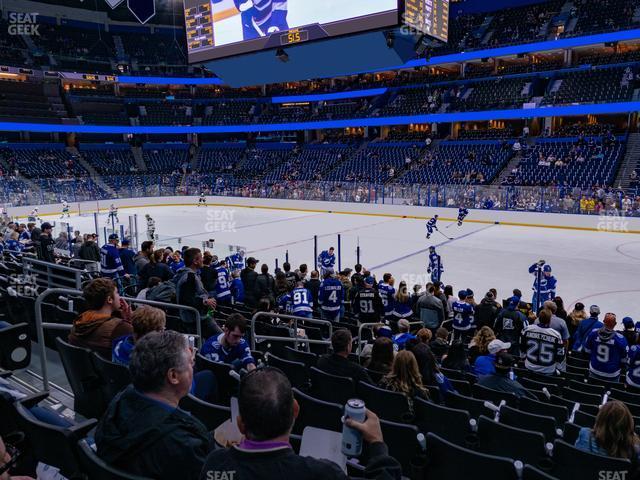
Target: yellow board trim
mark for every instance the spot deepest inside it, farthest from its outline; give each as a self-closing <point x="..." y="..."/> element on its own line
<point x="386" y="215"/>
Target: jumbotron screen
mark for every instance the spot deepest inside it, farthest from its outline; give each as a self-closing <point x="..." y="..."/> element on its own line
<point x="222" y="28"/>
<point x="430" y="17"/>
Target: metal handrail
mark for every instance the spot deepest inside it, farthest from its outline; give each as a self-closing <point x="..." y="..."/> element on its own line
<point x="295" y="339"/>
<point x="50" y="269"/>
<point x="40" y="325"/>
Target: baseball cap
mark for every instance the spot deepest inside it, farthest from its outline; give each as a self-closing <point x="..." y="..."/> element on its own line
<point x="546" y="268"/>
<point x="489" y="296"/>
<point x="404" y="323"/>
<point x="496" y="345"/>
<point x="594" y="310"/>
<point x="504" y="360"/>
<point x="469" y="292"/>
<point x="609" y="321"/>
<point x="252" y="260"/>
<point x="579" y="306"/>
<point x="126" y="241"/>
<point x="113" y="236"/>
<point x="513" y="302"/>
<point x="369" y="280"/>
<point x="385" y="332"/>
<point x="463" y="294"/>
<point x="628" y="322"/>
<point x="45" y="226"/>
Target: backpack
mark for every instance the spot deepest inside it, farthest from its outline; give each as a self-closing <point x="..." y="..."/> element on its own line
<point x="164" y="292"/>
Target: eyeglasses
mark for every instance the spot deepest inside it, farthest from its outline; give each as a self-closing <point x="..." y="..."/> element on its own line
<point x="13" y="452"/>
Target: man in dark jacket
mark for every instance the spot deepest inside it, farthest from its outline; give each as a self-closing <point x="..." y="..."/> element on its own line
<point x="248" y="277"/>
<point x="46" y="244"/>
<point x="90" y="250"/>
<point x="338" y="363"/>
<point x="313" y="285"/>
<point x="500" y="380"/>
<point x="509" y="325"/>
<point x="143" y="431"/>
<point x="487" y="311"/>
<point x="267" y="413"/>
<point x="266" y="284"/>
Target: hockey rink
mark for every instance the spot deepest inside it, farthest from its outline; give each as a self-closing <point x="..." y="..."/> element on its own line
<point x="600" y="268"/>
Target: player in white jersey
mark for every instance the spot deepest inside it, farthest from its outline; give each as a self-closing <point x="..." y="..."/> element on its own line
<point x="65" y="209"/>
<point x="34" y="216"/>
<point x="113" y="214"/>
<point x="542" y="346"/>
<point x="151" y="227"/>
<point x="202" y="200"/>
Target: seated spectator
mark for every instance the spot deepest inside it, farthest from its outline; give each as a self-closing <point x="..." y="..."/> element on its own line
<point x="405" y="378"/>
<point x="485" y="363"/>
<point x="267" y="413"/>
<point x="440" y="345"/>
<point x="401" y="338"/>
<point x="338" y="363"/>
<point x="613" y="433"/>
<point x="381" y="355"/>
<point x="153" y="282"/>
<point x="456" y="358"/>
<point x="380" y="330"/>
<point x="144" y="320"/>
<point x="607" y="351"/>
<point x="230" y="346"/>
<point x="107" y="318"/>
<point x="500" y="380"/>
<point x="154" y="268"/>
<point x="424" y="335"/>
<point x="143" y="431"/>
<point x="428" y="366"/>
<point x="479" y="344"/>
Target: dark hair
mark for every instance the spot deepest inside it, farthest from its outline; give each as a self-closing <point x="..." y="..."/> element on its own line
<point x="544" y="316"/>
<point x="146" y="245"/>
<point x="442" y="333"/>
<point x="381" y="355"/>
<point x="189" y="255"/>
<point x="286" y="266"/>
<point x="340" y="340"/>
<point x="153" y="281"/>
<point x="236" y="320"/>
<point x="456" y="358"/>
<point x="426" y="363"/>
<point x="358" y="268"/>
<point x="97" y="292"/>
<point x="153" y="356"/>
<point x="265" y="401"/>
<point x="264" y="268"/>
<point x="448" y="290"/>
<point x="303" y="268"/>
<point x="386" y="277"/>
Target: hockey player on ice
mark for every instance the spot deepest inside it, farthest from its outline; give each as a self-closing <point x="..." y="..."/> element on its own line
<point x="203" y="199"/>
<point x="462" y="214"/>
<point x="544" y="283"/>
<point x="151" y="227"/>
<point x="261" y="17"/>
<point x="431" y="226"/>
<point x="34" y="216"/>
<point x="65" y="209"/>
<point x="326" y="261"/>
<point x="435" y="267"/>
<point x="113" y="214"/>
<point x="236" y="261"/>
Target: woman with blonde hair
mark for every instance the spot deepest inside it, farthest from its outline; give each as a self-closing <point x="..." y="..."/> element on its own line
<point x="479" y="344"/>
<point x="405" y="377"/>
<point x="578" y="314"/>
<point x="402" y="305"/>
<point x="613" y="433"/>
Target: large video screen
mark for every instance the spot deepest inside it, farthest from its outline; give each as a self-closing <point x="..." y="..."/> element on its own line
<point x="221" y="28"/>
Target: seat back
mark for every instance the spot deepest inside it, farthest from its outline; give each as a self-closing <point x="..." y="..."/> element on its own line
<point x="15" y="347"/>
<point x="559" y="412"/>
<point x="296" y="372"/>
<point x="531" y="473"/>
<point x="571" y="463"/>
<point x="529" y="421"/>
<point x="582" y="397"/>
<point x="447" y="461"/>
<point x="293" y="355"/>
<point x="493" y="396"/>
<point x="84" y="380"/>
<point x="317" y="413"/>
<point x="392" y="406"/>
<point x="525" y="445"/>
<point x="227" y="386"/>
<point x="448" y="423"/>
<point x="402" y="440"/>
<point x="331" y="388"/>
<point x="97" y="469"/>
<point x="474" y="406"/>
<point x="114" y="377"/>
<point x="211" y="415"/>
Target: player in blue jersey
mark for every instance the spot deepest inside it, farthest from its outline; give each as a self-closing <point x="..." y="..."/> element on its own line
<point x="435" y="267"/>
<point x="230" y="346"/>
<point x="326" y="261"/>
<point x="607" y="350"/>
<point x="13" y="243"/>
<point x="330" y="297"/>
<point x="285" y="303"/>
<point x="223" y="285"/>
<point x="463" y="317"/>
<point x="633" y="367"/>
<point x="387" y="293"/>
<point x="432" y="225"/>
<point x="544" y="284"/>
<point x="262" y="17"/>
<point x="236" y="260"/>
<point x="237" y="287"/>
<point x="302" y="302"/>
<point x="110" y="262"/>
<point x="462" y="214"/>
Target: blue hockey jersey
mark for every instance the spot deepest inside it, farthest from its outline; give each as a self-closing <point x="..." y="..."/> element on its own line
<point x="633" y="370"/>
<point x="285" y="302"/>
<point x="326" y="259"/>
<point x="14" y="246"/>
<point x="463" y="316"/>
<point x="237" y="290"/>
<point x="235" y="261"/>
<point x="607" y="350"/>
<point x="547" y="284"/>
<point x="214" y="351"/>
<point x="386" y="293"/>
<point x="302" y="303"/>
<point x="435" y="263"/>
<point x="331" y="295"/>
<point x="223" y="287"/>
<point x="110" y="263"/>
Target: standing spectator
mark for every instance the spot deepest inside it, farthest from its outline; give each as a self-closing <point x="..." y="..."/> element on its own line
<point x="629" y="333"/>
<point x="107" y="318"/>
<point x="585" y="327"/>
<point x="543" y="345"/>
<point x="267" y="413"/>
<point x="89" y="249"/>
<point x="144" y="432"/>
<point x="509" y="325"/>
<point x="265" y="284"/>
<point x="607" y="350"/>
<point x="313" y="285"/>
<point x="429" y="301"/>
<point x="575" y="317"/>
<point x="366" y="303"/>
<point x="463" y="316"/>
<point x="249" y="276"/>
<point x="45" y="244"/>
<point x="144" y="256"/>
<point x="487" y="311"/>
<point x="155" y="268"/>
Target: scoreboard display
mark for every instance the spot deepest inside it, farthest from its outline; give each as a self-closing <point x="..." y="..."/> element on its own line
<point x="222" y="28"/>
<point x="430" y="17"/>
